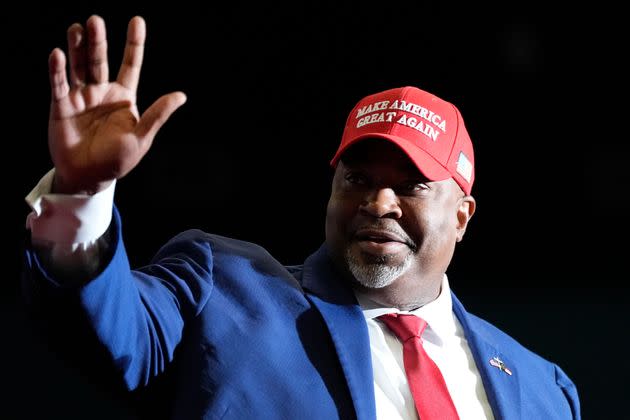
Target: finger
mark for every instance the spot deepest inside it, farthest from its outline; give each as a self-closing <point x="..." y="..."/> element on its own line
<point x="97" y="67"/>
<point x="156" y="115"/>
<point x="76" y="53"/>
<point x="58" y="83"/>
<point x="129" y="72"/>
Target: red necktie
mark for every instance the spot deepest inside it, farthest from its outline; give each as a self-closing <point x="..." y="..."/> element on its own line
<point x="433" y="402"/>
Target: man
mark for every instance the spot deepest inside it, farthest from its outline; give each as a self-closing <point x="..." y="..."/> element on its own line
<point x="366" y="328"/>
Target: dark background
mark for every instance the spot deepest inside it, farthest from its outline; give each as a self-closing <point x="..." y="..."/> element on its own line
<point x="269" y="86"/>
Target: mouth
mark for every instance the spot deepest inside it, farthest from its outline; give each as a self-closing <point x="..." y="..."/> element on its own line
<point x="380" y="242"/>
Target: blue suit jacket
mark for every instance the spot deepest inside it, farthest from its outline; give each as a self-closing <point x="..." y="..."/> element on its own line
<point x="256" y="339"/>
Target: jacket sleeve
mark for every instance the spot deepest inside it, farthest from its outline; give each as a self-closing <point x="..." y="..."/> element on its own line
<point x="138" y="315"/>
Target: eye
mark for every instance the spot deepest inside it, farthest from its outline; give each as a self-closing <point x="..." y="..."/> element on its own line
<point x="355" y="178"/>
<point x="411" y="187"/>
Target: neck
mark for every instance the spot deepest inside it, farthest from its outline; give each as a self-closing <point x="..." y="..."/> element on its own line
<point x="402" y="294"/>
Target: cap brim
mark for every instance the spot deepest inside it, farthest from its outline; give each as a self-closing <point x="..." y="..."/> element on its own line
<point x="425" y="163"/>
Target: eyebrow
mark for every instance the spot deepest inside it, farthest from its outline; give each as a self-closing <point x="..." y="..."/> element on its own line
<point x="408" y="172"/>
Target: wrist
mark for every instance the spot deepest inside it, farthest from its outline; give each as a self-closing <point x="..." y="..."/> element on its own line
<point x="61" y="186"/>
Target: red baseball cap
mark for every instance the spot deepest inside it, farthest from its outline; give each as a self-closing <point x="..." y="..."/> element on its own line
<point x="428" y="129"/>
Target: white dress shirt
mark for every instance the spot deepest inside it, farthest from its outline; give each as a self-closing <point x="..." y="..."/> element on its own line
<point x="444" y="342"/>
<point x="70" y="227"/>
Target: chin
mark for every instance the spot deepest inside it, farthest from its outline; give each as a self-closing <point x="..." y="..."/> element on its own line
<point x="375" y="271"/>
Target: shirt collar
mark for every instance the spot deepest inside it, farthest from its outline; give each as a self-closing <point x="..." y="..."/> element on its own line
<point x="438" y="314"/>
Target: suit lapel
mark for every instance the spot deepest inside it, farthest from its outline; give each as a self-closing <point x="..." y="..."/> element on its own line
<point x="499" y="372"/>
<point x="336" y="302"/>
<point x="348" y="330"/>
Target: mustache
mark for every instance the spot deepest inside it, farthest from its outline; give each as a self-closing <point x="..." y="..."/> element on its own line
<point x="389" y="227"/>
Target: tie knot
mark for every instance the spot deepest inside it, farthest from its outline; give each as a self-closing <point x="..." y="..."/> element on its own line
<point x="405" y="326"/>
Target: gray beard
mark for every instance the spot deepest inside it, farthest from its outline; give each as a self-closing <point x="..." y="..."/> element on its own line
<point x="378" y="274"/>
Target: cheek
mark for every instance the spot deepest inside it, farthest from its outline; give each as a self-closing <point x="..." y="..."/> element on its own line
<point x="433" y="229"/>
<point x="340" y="214"/>
<point x="336" y="217"/>
<point x="446" y="224"/>
<point x="444" y="237"/>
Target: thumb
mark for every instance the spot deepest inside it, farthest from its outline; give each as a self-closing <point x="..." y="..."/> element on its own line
<point x="156" y="115"/>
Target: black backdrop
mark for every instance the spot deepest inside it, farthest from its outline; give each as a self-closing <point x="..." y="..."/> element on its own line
<point x="269" y="87"/>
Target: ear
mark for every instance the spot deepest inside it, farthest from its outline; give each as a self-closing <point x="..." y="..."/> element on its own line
<point x="465" y="211"/>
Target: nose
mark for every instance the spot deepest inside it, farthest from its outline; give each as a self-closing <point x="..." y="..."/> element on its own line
<point x="382" y="202"/>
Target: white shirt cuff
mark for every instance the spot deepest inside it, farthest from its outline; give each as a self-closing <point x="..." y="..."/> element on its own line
<point x="68" y="219"/>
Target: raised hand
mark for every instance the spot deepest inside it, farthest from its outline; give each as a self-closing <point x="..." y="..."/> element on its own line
<point x="95" y="132"/>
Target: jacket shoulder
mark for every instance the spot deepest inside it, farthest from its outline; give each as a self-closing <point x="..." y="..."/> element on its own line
<point x="233" y="258"/>
<point x="535" y="371"/>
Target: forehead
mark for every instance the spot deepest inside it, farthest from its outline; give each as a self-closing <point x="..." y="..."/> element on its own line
<point x="377" y="153"/>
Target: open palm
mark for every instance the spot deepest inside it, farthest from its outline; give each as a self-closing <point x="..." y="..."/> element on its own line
<point x="95" y="132"/>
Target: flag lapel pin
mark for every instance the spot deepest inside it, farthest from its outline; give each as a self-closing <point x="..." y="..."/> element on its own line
<point x="498" y="363"/>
